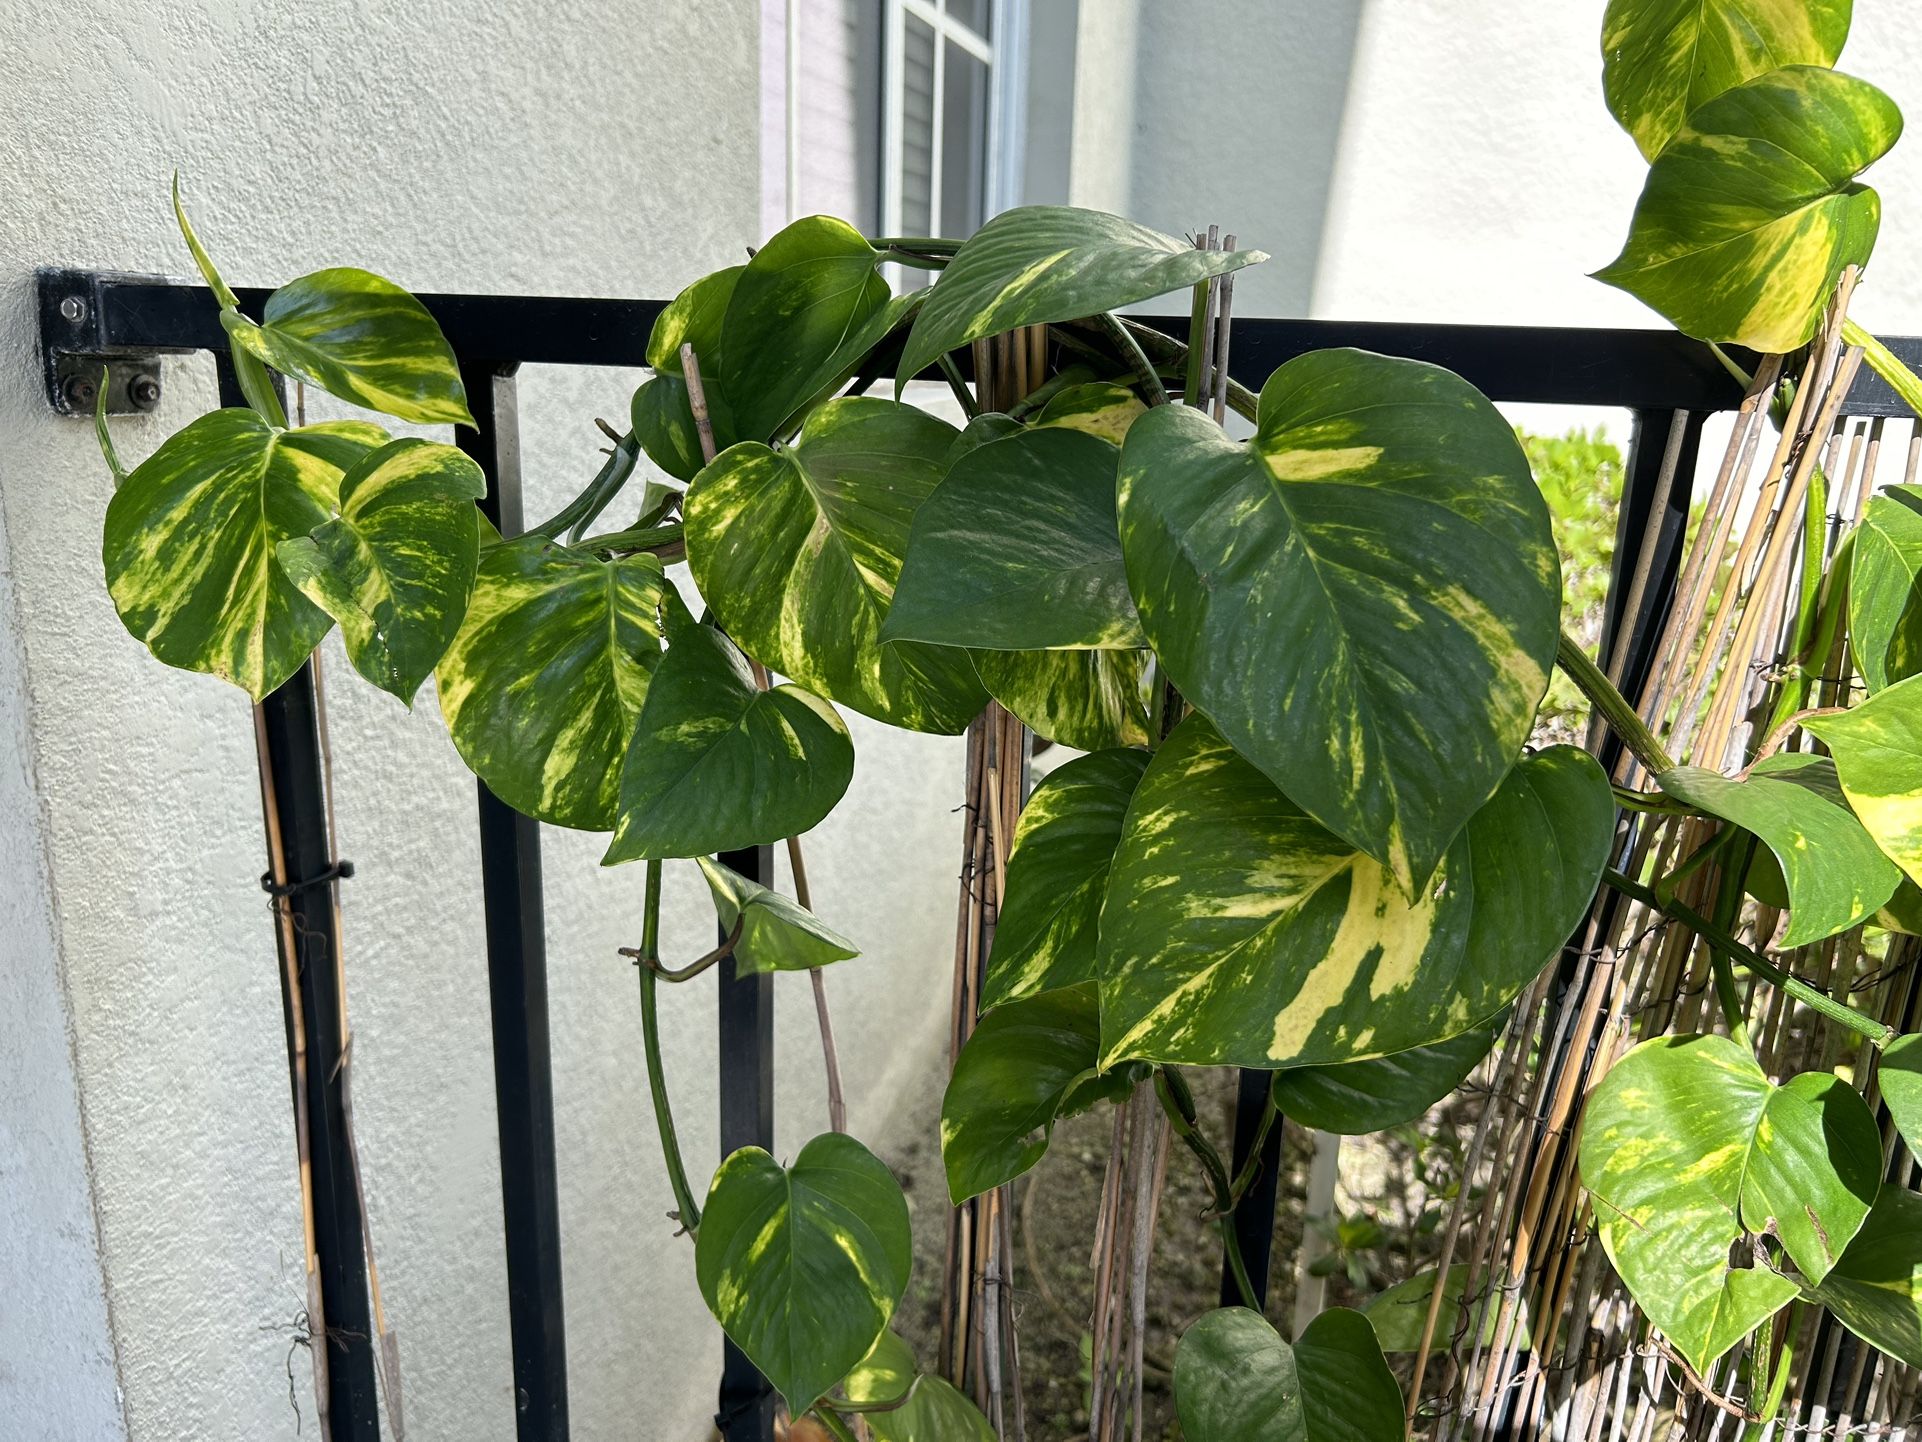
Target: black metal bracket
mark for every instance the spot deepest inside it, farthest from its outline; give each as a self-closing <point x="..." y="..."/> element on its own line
<point x="75" y="347"/>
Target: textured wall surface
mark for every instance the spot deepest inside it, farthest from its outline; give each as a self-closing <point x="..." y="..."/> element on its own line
<point x="556" y="147"/>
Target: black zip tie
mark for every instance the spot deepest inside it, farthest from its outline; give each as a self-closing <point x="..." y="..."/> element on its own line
<point x="340" y="871"/>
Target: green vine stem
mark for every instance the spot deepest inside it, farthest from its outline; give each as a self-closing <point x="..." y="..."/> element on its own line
<point x="651" y="1043"/>
<point x="1812" y="997"/>
<point x="1171" y="1089"/>
<point x="831" y="1420"/>
<point x="1885" y="363"/>
<point x="1125" y="341"/>
<point x="1614" y="707"/>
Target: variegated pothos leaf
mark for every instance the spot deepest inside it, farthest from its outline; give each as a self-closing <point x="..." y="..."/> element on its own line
<point x="1885" y="588"/>
<point x="777" y="934"/>
<point x="1877" y="748"/>
<point x="1090" y="700"/>
<point x="662" y="414"/>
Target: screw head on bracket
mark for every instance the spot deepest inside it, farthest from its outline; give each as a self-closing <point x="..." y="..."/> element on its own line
<point x="81" y="392"/>
<point x="73" y="309"/>
<point x="144" y="392"/>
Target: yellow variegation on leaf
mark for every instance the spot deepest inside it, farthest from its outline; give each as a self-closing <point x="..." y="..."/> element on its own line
<point x="1877" y="748"/>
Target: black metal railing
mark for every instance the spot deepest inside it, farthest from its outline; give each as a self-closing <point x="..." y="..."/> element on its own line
<point x="89" y="318"/>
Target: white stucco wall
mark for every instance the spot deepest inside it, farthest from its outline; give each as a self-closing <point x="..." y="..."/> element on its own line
<point x="584" y="148"/>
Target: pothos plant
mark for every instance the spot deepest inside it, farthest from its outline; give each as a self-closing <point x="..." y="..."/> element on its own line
<point x="1304" y="660"/>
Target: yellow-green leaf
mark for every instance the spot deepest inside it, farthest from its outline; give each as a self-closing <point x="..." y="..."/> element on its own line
<point x="1877" y="748"/>
<point x="1358" y="1097"/>
<point x="1885" y="599"/>
<point x="662" y="416"/>
<point x="1099" y="408"/>
<point x="933" y="1412"/>
<point x="1089" y="700"/>
<point x="776" y="934"/>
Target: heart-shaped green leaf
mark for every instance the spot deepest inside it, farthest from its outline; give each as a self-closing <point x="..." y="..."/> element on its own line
<point x="1834" y="874"/>
<point x="1661" y="59"/>
<point x="1090" y="700"/>
<point x="776" y="934"/>
<point x="1029" y="1063"/>
<point x="1237" y="1381"/>
<point x="396" y="566"/>
<point x="1899" y="1076"/>
<point x="1238" y="931"/>
<point x="1016" y="550"/>
<point x="1885" y="601"/>
<point x="662" y="416"/>
<point x="545" y="678"/>
<point x="361" y="338"/>
<point x="934" y="1411"/>
<point x="1364" y="597"/>
<point x="1359" y="1097"/>
<point x="1688" y="1147"/>
<point x="1400" y="1314"/>
<point x="1877" y="748"/>
<point x="1876" y="1289"/>
<point x="1751" y="213"/>
<point x="803" y="1265"/>
<point x="798" y="551"/>
<point x="1040" y="263"/>
<point x="1057" y="875"/>
<point x="716" y="763"/>
<point x="190" y="540"/>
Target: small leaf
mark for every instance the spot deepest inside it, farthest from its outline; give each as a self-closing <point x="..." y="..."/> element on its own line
<point x="396" y="567"/>
<point x="361" y="338"/>
<point x="545" y="678"/>
<point x="1100" y="408"/>
<point x="1751" y="213"/>
<point x="1090" y="700"/>
<point x="776" y="934"/>
<point x="1876" y="1289"/>
<point x="1029" y="1064"/>
<point x="1016" y="550"/>
<point x="716" y="763"/>
<point x="662" y="416"/>
<point x="1661" y="59"/>
<point x="1238" y="931"/>
<point x="934" y="1412"/>
<point x="190" y="539"/>
<point x="1359" y="1097"/>
<point x="1237" y="1381"/>
<point x="1041" y="263"/>
<point x="1364" y="598"/>
<point x="1877" y="748"/>
<point x="798" y="551"/>
<point x="1834" y="874"/>
<point x="1400" y="1314"/>
<point x="1688" y="1147"/>
<point x="1885" y="601"/>
<point x="803" y="1265"/>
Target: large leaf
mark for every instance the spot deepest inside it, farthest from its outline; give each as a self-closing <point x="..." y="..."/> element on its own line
<point x="1663" y="58"/>
<point x="1687" y="1148"/>
<point x="1017" y="550"/>
<point x="1238" y="931"/>
<point x="1834" y="874"/>
<point x="716" y="763"/>
<point x="1876" y="1289"/>
<point x="1400" y="1314"/>
<point x="190" y="539"/>
<point x="1057" y="875"/>
<point x="1041" y="263"/>
<point x="1237" y="1381"/>
<point x="361" y="338"/>
<point x="1029" y="1063"/>
<point x="803" y="1265"/>
<point x="1090" y="700"/>
<point x="1752" y="212"/>
<point x="934" y="1411"/>
<point x="1885" y="601"/>
<point x="545" y="678"/>
<point x="798" y="551"/>
<point x="662" y="416"/>
<point x="1877" y="748"/>
<point x="1364" y="597"/>
<point x="396" y="566"/>
<point x="776" y="934"/>
<point x="1359" y="1097"/>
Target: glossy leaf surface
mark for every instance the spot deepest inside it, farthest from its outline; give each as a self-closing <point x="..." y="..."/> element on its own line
<point x="1364" y="597"/>
<point x="1752" y="212"/>
<point x="361" y="338"/>
<point x="1876" y="1289"/>
<point x="803" y="1265"/>
<point x="1039" y="263"/>
<point x="934" y="1412"/>
<point x="546" y="676"/>
<point x="1885" y="602"/>
<point x="1900" y="1081"/>
<point x="799" y="550"/>
<point x="1238" y="931"/>
<point x="662" y="416"/>
<point x="396" y="566"/>
<point x="1663" y="58"/>
<point x="777" y="934"/>
<point x="191" y="537"/>
<point x="716" y="763"/>
<point x="1877" y="748"/>
<point x="1090" y="700"/>
<point x="1099" y="408"/>
<point x="1358" y="1097"/>
<point x="1237" y="1381"/>
<point x="1688" y="1147"/>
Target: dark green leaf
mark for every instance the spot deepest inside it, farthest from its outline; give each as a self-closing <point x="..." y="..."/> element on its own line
<point x="776" y="934"/>
<point x="1237" y="1381"/>
<point x="1885" y="602"/>
<point x="1090" y="700"/>
<point x="1358" y="1097"/>
<point x="1876" y="1289"/>
<point x="1400" y="1314"/>
<point x="662" y="416"/>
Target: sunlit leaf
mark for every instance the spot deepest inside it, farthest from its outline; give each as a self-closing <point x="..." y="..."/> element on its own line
<point x="1099" y="408"/>
<point x="1237" y="1381"/>
<point x="662" y="416"/>
<point x="1877" y="748"/>
<point x="1899" y="1076"/>
<point x="1090" y="700"/>
<point x="1358" y="1097"/>
<point x="1400" y="1314"/>
<point x="1885" y="600"/>
<point x="934" y="1411"/>
<point x="776" y="934"/>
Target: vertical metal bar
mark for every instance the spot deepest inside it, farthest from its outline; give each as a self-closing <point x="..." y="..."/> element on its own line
<point x="746" y="1410"/>
<point x="1254" y="1217"/>
<point x="293" y="791"/>
<point x="517" y="992"/>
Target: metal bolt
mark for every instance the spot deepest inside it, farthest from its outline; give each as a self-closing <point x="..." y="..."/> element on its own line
<point x="144" y="392"/>
<point x="81" y="392"/>
<point x="73" y="309"/>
